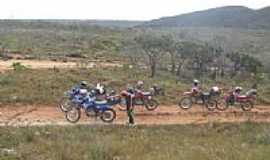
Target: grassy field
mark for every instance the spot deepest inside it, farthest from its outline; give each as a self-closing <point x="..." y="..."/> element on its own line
<point x="246" y="141"/>
<point x="48" y="86"/>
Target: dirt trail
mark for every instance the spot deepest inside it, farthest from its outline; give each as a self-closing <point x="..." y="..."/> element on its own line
<point x="45" y="64"/>
<point x="165" y="115"/>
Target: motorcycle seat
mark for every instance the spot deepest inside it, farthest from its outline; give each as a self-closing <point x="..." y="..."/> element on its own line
<point x="241" y="97"/>
<point x="101" y="102"/>
<point x="206" y="94"/>
<point x="147" y="93"/>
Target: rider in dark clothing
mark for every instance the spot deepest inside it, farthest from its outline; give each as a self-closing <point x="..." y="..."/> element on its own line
<point x="129" y="94"/>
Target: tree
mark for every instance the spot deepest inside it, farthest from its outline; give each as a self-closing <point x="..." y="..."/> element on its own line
<point x="184" y="51"/>
<point x="170" y="47"/>
<point x="251" y="64"/>
<point x="235" y="57"/>
<point x="244" y="62"/>
<point x="152" y="47"/>
<point x="132" y="51"/>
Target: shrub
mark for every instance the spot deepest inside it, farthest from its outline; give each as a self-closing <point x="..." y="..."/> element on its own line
<point x="17" y="66"/>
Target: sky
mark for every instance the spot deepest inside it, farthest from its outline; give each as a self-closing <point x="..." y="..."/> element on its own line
<point x="112" y="9"/>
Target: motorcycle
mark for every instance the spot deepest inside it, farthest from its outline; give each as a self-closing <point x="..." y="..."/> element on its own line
<point x="246" y="102"/>
<point x="93" y="108"/>
<point x="65" y="102"/>
<point x="207" y="99"/>
<point x="140" y="98"/>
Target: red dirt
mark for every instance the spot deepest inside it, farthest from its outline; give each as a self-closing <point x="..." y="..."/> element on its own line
<point x="164" y="115"/>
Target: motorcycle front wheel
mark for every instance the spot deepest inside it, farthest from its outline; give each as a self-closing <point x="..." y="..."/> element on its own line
<point x="73" y="115"/>
<point x="65" y="104"/>
<point x="123" y="104"/>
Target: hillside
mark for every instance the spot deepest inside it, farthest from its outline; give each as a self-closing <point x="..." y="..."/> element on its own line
<point x="228" y="17"/>
<point x="64" y="23"/>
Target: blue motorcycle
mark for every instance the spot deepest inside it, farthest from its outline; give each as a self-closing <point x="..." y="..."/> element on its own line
<point x="91" y="107"/>
<point x="66" y="101"/>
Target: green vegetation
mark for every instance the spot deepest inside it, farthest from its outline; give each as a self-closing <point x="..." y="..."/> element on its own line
<point x="223" y="56"/>
<point x="48" y="86"/>
<point x="58" y="39"/>
<point x="228" y="17"/>
<point x="246" y="141"/>
<point x="17" y="66"/>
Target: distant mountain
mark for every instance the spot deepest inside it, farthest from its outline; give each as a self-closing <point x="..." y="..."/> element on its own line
<point x="228" y="17"/>
<point x="115" y="23"/>
<point x="67" y="22"/>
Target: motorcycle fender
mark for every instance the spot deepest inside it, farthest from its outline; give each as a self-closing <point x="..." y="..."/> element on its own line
<point x="187" y="93"/>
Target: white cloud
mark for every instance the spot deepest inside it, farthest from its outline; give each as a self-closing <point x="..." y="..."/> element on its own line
<point x="112" y="9"/>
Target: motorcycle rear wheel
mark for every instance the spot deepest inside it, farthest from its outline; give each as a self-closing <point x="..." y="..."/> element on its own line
<point x="151" y="105"/>
<point x="108" y="115"/>
<point x="185" y="103"/>
<point x="211" y="104"/>
<point x="223" y="106"/>
<point x="247" y="106"/>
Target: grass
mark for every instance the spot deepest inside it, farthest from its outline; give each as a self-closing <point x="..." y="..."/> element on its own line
<point x="246" y="141"/>
<point x="47" y="86"/>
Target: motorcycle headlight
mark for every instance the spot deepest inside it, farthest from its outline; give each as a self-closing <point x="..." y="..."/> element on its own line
<point x="67" y="93"/>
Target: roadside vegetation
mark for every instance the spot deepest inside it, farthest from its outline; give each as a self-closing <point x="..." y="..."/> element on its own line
<point x="169" y="57"/>
<point x="47" y="86"/>
<point x="245" y="141"/>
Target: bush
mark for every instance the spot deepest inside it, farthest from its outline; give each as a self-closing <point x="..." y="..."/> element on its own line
<point x="17" y="66"/>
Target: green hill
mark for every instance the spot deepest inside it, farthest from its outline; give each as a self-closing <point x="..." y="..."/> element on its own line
<point x="228" y="17"/>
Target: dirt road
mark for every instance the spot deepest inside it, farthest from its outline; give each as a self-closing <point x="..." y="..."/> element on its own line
<point x="45" y="64"/>
<point x="165" y="115"/>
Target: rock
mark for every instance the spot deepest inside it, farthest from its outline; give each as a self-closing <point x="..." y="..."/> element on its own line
<point x="37" y="133"/>
<point x="6" y="151"/>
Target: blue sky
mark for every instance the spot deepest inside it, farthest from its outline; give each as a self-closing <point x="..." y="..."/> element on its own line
<point x="112" y="9"/>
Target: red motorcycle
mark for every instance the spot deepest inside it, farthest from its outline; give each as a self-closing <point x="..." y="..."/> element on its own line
<point x="246" y="102"/>
<point x="140" y="98"/>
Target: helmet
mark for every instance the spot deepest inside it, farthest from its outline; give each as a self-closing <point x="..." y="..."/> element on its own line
<point x="238" y="89"/>
<point x="140" y="83"/>
<point x="130" y="88"/>
<point x="83" y="83"/>
<point x="196" y="82"/>
<point x="215" y="89"/>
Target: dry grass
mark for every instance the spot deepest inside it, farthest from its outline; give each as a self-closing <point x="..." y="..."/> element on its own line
<point x="205" y="142"/>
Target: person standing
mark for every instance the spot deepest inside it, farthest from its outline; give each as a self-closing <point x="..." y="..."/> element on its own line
<point x="129" y="94"/>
